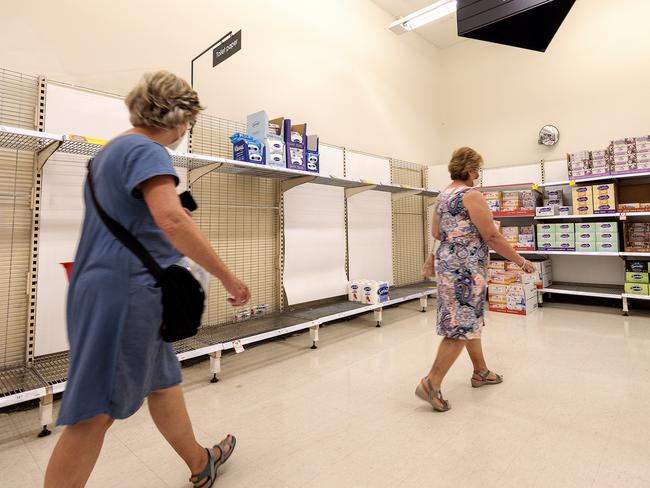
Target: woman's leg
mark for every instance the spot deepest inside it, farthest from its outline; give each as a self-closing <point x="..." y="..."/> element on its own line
<point x="169" y="413"/>
<point x="76" y="453"/>
<point x="448" y="352"/>
<point x="475" y="351"/>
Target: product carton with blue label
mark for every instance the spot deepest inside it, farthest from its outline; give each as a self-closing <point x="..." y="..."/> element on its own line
<point x="312" y="155"/>
<point x="636" y="289"/>
<point x="246" y="148"/>
<point x="583" y="200"/>
<point x="375" y="292"/>
<point x="607" y="246"/>
<point x="604" y="196"/>
<point x="259" y="127"/>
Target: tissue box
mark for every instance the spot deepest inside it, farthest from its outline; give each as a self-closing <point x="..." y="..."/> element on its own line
<point x="637" y="289"/>
<point x="637" y="266"/>
<point x="606" y="227"/>
<point x="607" y="246"/>
<point x="586" y="237"/>
<point x="375" y="292"/>
<point x="498" y="265"/>
<point x="492" y="195"/>
<point x="546" y="228"/>
<point x="546" y="211"/>
<point x="584" y="227"/>
<point x="607" y="237"/>
<point x="604" y="196"/>
<point x="565" y="228"/>
<point x="637" y="277"/>
<point x="546" y="243"/>
<point x="565" y="210"/>
<point x="312" y="155"/>
<point x="586" y="246"/>
<point x="510" y="232"/>
<point x="583" y="199"/>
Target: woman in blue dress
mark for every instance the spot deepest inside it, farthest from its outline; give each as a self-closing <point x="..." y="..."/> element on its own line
<point x="114" y="310"/>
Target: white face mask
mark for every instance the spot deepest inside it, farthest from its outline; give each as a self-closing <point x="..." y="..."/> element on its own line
<point x="176" y="143"/>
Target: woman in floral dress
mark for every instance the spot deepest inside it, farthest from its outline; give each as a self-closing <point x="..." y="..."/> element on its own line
<point x="463" y="224"/>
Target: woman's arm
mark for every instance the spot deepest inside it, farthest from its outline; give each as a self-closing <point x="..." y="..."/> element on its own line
<point x="435" y="225"/>
<point x="163" y="202"/>
<point x="481" y="217"/>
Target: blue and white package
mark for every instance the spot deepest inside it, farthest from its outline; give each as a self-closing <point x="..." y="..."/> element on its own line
<point x="312" y="157"/>
<point x="246" y="148"/>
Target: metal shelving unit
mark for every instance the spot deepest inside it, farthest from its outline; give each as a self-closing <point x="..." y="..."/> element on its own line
<point x="613" y="177"/>
<point x="48" y="374"/>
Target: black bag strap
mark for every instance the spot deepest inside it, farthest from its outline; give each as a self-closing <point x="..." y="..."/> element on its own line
<point x="123" y="235"/>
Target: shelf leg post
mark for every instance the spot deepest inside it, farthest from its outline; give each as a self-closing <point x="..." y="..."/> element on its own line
<point x="215" y="365"/>
<point x="379" y="315"/>
<point x="45" y="412"/>
<point x="626" y="309"/>
<point x="540" y="299"/>
<point x="424" y="302"/>
<point x="313" y="334"/>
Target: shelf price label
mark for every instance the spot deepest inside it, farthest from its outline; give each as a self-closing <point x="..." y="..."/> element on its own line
<point x="535" y="187"/>
<point x="239" y="347"/>
<point x="572" y="183"/>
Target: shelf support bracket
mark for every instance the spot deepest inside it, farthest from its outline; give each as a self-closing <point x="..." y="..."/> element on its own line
<point x="294" y="182"/>
<point x="45" y="153"/>
<point x="349" y="192"/>
<point x="198" y="173"/>
<point x="430" y="201"/>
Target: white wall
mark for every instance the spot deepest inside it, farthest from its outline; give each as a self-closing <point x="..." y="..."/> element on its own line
<point x="333" y="64"/>
<point x="592" y="83"/>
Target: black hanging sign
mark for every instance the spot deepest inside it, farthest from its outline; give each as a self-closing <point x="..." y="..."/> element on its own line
<point x="226" y="48"/>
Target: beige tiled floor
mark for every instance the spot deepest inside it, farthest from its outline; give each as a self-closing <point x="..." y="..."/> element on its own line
<point x="574" y="411"/>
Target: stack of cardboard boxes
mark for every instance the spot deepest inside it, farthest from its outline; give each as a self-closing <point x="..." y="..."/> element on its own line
<point x="556" y="237"/>
<point x="514" y="201"/>
<point x="597" y="237"/>
<point x="630" y="155"/>
<point x="637" y="277"/>
<point x="521" y="237"/>
<point x="554" y="204"/>
<point x="510" y="290"/>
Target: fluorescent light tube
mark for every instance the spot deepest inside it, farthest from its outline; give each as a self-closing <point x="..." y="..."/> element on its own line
<point x="424" y="16"/>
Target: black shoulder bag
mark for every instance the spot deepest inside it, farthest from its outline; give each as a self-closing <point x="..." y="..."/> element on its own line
<point x="183" y="298"/>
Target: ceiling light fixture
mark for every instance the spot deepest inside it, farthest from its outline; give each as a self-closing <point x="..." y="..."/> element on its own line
<point x="433" y="12"/>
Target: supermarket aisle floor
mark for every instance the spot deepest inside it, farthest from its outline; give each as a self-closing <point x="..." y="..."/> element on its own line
<point x="573" y="411"/>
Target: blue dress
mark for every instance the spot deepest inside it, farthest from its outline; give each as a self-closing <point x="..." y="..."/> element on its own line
<point x="114" y="309"/>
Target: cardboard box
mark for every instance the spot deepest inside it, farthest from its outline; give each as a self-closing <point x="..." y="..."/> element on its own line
<point x="579" y="173"/>
<point x="512" y="232"/>
<point x="504" y="278"/>
<point x="498" y="299"/>
<point x="607" y="246"/>
<point x="546" y="228"/>
<point x="561" y="238"/>
<point x="498" y="307"/>
<point x="566" y="246"/>
<point x="586" y="246"/>
<point x="611" y="227"/>
<point x="492" y="195"/>
<point x="546" y="243"/>
<point x="586" y="237"/>
<point x="494" y="289"/>
<point x="600" y="163"/>
<point x="565" y="228"/>
<point x="637" y="266"/>
<point x="585" y="227"/>
<point x="511" y="196"/>
<point x="637" y="277"/>
<point x="599" y="154"/>
<point x="546" y="211"/>
<point x="582" y="196"/>
<point x="578" y="156"/>
<point x="637" y="289"/>
<point x="565" y="210"/>
<point x="498" y="265"/>
<point x="546" y="236"/>
<point x="607" y="237"/>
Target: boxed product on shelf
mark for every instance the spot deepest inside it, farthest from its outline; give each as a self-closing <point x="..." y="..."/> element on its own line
<point x="637" y="289"/>
<point x="599" y="154"/>
<point x="375" y="292"/>
<point x="582" y="236"/>
<point x="494" y="289"/>
<point x="510" y="233"/>
<point x="586" y="246"/>
<point x="637" y="277"/>
<point x="585" y="227"/>
<point x="637" y="236"/>
<point x="607" y="237"/>
<point x="637" y="266"/>
<point x="492" y="195"/>
<point x="604" y="196"/>
<point x="607" y="246"/>
<point x="530" y="199"/>
<point x="583" y="200"/>
<point x="542" y="228"/>
<point x="260" y="127"/>
<point x="312" y="153"/>
<point x="565" y="227"/>
<point x="546" y="211"/>
<point x="544" y="273"/>
<point x="578" y="156"/>
<point x="504" y="278"/>
<point x="497" y="264"/>
<point x="546" y="243"/>
<point x="246" y="148"/>
<point x="611" y="227"/>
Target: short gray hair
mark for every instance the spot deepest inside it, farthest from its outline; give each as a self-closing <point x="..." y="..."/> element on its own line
<point x="162" y="100"/>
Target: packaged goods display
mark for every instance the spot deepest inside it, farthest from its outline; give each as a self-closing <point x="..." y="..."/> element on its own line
<point x="512" y="201"/>
<point x="583" y="200"/>
<point x="368" y="292"/>
<point x="604" y="198"/>
<point x="637" y="277"/>
<point x="510" y="290"/>
<point x="637" y="236"/>
<point x="520" y="237"/>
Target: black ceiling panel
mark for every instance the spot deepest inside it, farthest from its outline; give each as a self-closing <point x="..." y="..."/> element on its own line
<point x="528" y="24"/>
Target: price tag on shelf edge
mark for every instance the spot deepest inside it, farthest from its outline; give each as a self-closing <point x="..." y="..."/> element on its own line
<point x="535" y="187"/>
<point x="239" y="348"/>
<point x="572" y="183"/>
<point x="623" y="216"/>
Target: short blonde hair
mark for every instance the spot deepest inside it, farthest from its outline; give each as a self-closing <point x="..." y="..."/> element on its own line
<point x="162" y="100"/>
<point x="463" y="161"/>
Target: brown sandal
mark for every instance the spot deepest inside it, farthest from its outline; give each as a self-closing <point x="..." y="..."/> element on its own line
<point x="430" y="395"/>
<point x="484" y="380"/>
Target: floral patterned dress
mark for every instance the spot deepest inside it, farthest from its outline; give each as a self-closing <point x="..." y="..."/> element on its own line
<point x="461" y="269"/>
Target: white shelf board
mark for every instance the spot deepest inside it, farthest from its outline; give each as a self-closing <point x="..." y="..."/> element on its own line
<point x="635" y="254"/>
<point x="575" y="217"/>
<point x="29" y="140"/>
<point x="636" y="297"/>
<point x="584" y="290"/>
<point x="628" y="215"/>
<point x="596" y="178"/>
<point x="578" y="253"/>
<point x="520" y="252"/>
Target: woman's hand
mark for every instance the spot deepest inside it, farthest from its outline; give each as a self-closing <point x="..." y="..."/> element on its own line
<point x="527" y="266"/>
<point x="240" y="294"/>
